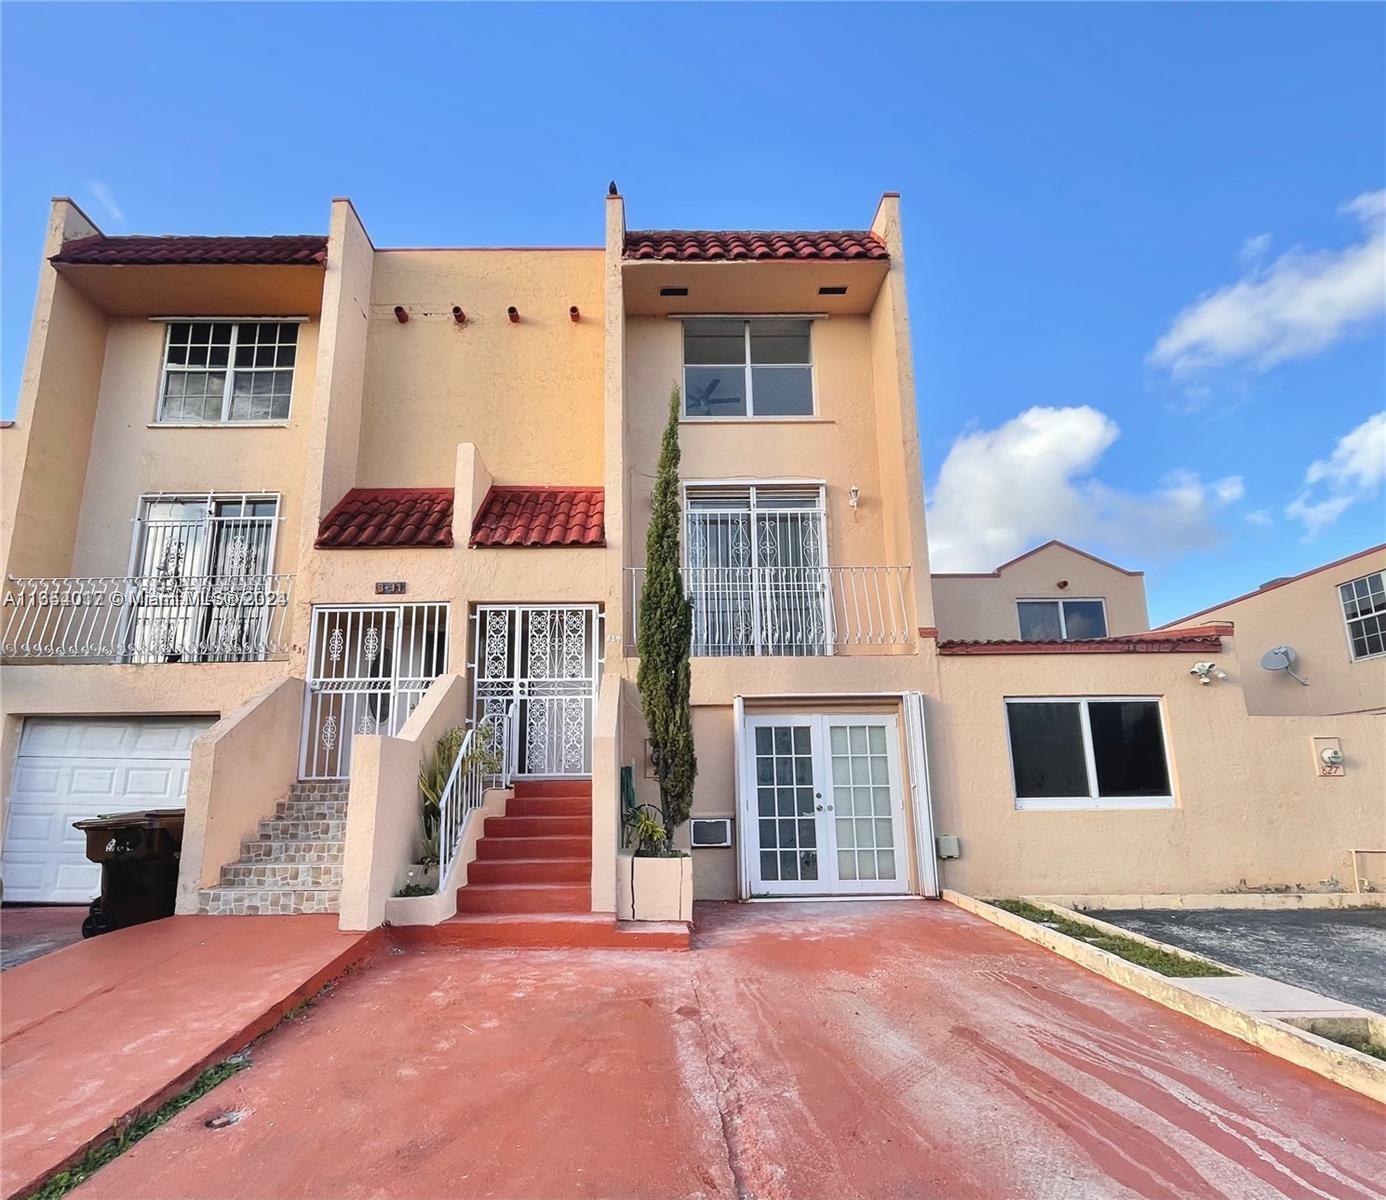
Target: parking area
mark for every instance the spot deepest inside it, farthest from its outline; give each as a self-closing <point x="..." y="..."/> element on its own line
<point x="902" y="1049"/>
<point x="1336" y="952"/>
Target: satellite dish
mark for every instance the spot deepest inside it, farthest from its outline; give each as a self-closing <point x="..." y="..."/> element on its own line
<point x="1282" y="658"/>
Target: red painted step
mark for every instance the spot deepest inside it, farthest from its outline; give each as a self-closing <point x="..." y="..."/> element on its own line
<point x="524" y="898"/>
<point x="562" y="846"/>
<point x="549" y="806"/>
<point x="537" y="826"/>
<point x="529" y="870"/>
<point x="553" y="787"/>
<point x="545" y="931"/>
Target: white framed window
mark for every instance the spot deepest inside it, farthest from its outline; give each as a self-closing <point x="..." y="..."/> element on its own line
<point x="1094" y="753"/>
<point x="1364" y="611"/>
<point x="748" y="367"/>
<point x="227" y="372"/>
<point x="1063" y="620"/>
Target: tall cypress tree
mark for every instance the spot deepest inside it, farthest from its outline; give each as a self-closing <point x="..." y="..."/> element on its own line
<point x="664" y="637"/>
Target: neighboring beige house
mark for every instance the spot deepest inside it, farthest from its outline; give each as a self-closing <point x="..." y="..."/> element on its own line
<point x="281" y="511"/>
<point x="1333" y="618"/>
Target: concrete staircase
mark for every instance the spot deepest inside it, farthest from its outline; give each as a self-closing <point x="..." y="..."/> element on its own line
<point x="295" y="865"/>
<point x="538" y="857"/>
<point x="530" y="884"/>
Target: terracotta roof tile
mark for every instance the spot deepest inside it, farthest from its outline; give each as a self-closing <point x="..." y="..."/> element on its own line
<point x="714" y="245"/>
<point x="541" y="516"/>
<point x="383" y="518"/>
<point x="1207" y="640"/>
<point x="138" y="251"/>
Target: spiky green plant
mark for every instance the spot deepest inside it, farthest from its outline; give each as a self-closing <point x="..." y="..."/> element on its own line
<point x="664" y="636"/>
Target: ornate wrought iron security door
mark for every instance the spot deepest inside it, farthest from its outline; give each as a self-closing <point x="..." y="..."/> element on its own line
<point x="548" y="660"/>
<point x="367" y="670"/>
<point x="756" y="571"/>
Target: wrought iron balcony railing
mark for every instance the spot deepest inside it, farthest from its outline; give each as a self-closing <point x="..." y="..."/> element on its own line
<point x="792" y="611"/>
<point x="146" y="618"/>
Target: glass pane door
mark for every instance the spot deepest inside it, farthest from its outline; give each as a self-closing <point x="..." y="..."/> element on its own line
<point x="866" y="804"/>
<point x="826" y="806"/>
<point x="789" y="811"/>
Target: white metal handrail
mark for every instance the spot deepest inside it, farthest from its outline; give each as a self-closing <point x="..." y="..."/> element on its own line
<point x="791" y="610"/>
<point x="465" y="791"/>
<point x="147" y="618"/>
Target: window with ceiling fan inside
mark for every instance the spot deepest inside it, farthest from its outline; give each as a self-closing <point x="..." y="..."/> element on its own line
<point x="754" y="367"/>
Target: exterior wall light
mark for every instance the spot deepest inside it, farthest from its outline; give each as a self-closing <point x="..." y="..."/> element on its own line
<point x="1207" y="672"/>
<point x="854" y="495"/>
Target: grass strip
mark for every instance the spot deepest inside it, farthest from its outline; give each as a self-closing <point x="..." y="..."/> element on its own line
<point x="1162" y="962"/>
<point x="1362" y="1045"/>
<point x="126" y="1136"/>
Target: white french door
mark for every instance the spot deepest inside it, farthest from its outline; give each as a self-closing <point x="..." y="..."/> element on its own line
<point x="824" y="805"/>
<point x="368" y="668"/>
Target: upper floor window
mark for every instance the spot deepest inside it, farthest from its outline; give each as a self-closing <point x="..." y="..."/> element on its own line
<point x="219" y="372"/>
<point x="1061" y="620"/>
<point x="1364" y="609"/>
<point x="747" y="368"/>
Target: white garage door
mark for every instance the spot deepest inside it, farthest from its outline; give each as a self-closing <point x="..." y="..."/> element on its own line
<point x="71" y="769"/>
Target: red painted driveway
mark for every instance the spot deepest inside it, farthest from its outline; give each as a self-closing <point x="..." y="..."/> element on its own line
<point x="98" y="1030"/>
<point x="831" y="1050"/>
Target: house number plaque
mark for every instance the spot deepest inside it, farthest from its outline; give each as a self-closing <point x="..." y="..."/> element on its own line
<point x="389" y="587"/>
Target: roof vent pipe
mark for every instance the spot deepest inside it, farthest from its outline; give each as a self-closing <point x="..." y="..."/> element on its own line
<point x="514" y="314"/>
<point x="458" y="315"/>
<point x="400" y="314"/>
<point x="573" y="315"/>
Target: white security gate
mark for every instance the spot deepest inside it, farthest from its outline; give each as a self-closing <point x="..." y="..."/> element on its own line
<point x="73" y="768"/>
<point x="546" y="658"/>
<point x="367" y="670"/>
<point x="756" y="571"/>
<point x="194" y="556"/>
<point x="824" y="806"/>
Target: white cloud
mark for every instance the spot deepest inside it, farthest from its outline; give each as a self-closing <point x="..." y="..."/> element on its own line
<point x="1001" y="491"/>
<point x="1297" y="306"/>
<point x="1260" y="516"/>
<point x="1353" y="471"/>
<point x="107" y="199"/>
<point x="1254" y="248"/>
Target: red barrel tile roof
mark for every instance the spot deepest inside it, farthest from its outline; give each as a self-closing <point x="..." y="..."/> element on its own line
<point x="712" y="245"/>
<point x="137" y="251"/>
<point x="1204" y="639"/>
<point x="541" y="516"/>
<point x="386" y="518"/>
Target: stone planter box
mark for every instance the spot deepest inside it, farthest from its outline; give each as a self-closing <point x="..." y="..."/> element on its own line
<point x="654" y="889"/>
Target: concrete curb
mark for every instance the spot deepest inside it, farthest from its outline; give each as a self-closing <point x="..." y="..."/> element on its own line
<point x="1341" y="1064"/>
<point x="1232" y="900"/>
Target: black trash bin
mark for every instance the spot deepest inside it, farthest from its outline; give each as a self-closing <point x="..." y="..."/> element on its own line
<point x="138" y="853"/>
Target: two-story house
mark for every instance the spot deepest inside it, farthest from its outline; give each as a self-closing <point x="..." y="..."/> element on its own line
<point x="281" y="511"/>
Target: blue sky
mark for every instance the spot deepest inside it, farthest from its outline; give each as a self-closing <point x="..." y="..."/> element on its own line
<point x="1145" y="242"/>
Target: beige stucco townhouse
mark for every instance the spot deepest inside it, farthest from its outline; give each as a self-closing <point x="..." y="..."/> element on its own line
<point x="281" y="511"/>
